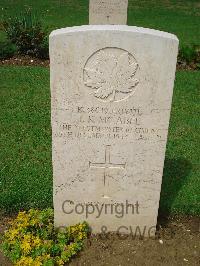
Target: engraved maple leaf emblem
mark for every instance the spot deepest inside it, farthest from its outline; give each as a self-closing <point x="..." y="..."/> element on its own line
<point x="110" y="74"/>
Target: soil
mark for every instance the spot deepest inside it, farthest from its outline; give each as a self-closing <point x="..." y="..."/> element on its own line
<point x="182" y="65"/>
<point x="177" y="243"/>
<point x="21" y="60"/>
<point x="26" y="60"/>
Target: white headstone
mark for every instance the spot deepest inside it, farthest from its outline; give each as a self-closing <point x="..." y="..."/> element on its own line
<point x="111" y="91"/>
<point x="108" y="12"/>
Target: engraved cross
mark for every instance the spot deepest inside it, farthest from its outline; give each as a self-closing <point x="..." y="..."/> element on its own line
<point x="107" y="164"/>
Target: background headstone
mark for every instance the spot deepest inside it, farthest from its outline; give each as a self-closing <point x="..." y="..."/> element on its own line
<point x="108" y="12"/>
<point x="111" y="91"/>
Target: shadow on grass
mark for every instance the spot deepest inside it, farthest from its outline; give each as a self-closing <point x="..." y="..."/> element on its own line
<point x="175" y="175"/>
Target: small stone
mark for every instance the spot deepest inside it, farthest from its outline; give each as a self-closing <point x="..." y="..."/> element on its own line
<point x="161" y="241"/>
<point x="185" y="259"/>
<point x="31" y="60"/>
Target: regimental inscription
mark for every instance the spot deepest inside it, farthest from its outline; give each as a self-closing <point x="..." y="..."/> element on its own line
<point x="110" y="73"/>
<point x="107" y="123"/>
<point x="109" y="7"/>
<point x="108" y="12"/>
<point x="106" y="165"/>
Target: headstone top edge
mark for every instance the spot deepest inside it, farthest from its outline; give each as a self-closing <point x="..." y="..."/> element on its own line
<point x="125" y="28"/>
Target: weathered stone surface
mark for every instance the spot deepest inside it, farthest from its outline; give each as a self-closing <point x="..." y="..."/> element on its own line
<point x="111" y="91"/>
<point x="103" y="12"/>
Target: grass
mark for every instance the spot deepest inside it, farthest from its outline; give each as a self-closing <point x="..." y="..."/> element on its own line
<point x="26" y="167"/>
<point x="181" y="186"/>
<point x="26" y="172"/>
<point x="181" y="17"/>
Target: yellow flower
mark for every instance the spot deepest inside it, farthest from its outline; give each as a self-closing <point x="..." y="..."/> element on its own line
<point x="37" y="261"/>
<point x="26" y="247"/>
<point x="28" y="238"/>
<point x="60" y="262"/>
<point x="22" y="220"/>
<point x="37" y="242"/>
<point x="12" y="233"/>
<point x="25" y="222"/>
<point x="25" y="261"/>
<point x="73" y="229"/>
<point x="46" y="256"/>
<point x="24" y="230"/>
<point x="21" y="215"/>
<point x="34" y="222"/>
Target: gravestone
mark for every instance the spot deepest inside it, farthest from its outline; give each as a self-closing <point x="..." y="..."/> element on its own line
<point x="111" y="93"/>
<point x="108" y="12"/>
